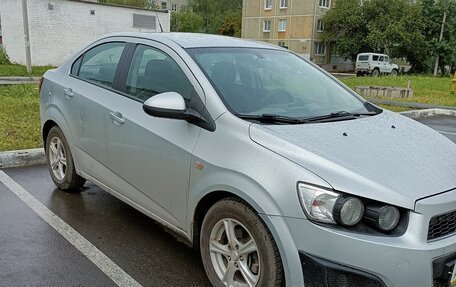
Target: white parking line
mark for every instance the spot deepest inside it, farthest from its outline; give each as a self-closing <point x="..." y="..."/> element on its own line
<point x="120" y="277"/>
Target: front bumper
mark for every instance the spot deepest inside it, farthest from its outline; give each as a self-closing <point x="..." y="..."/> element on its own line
<point x="408" y="260"/>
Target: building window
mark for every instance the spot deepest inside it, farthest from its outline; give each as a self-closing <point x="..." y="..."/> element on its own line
<point x="164" y="5"/>
<point x="282" y="25"/>
<point x="325" y="3"/>
<point x="267" y="26"/>
<point x="283" y="45"/>
<point x="320" y="26"/>
<point x="320" y="49"/>
<point x="267" y="4"/>
<point x="174" y="7"/>
<point x="283" y="4"/>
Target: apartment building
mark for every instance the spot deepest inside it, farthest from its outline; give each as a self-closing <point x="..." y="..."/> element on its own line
<point x="295" y="24"/>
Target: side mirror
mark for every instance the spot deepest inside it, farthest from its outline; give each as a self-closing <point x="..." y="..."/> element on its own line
<point x="165" y="105"/>
<point x="171" y="105"/>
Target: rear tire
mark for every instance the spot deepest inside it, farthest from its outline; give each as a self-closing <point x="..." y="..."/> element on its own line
<point x="376" y="72"/>
<point x="60" y="162"/>
<point x="237" y="248"/>
<point x="394" y="73"/>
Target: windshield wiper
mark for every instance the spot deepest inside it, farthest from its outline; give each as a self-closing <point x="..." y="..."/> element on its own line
<point x="340" y="115"/>
<point x="270" y="118"/>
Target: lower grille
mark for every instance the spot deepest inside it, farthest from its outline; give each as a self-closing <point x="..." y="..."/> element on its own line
<point x="439" y="283"/>
<point x="442" y="225"/>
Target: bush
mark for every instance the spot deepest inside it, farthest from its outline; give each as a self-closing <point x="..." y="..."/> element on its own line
<point x="4" y="59"/>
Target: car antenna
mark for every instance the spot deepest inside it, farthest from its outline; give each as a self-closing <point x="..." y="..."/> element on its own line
<point x="159" y="23"/>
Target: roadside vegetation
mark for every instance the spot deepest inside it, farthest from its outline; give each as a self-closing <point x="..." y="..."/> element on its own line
<point x="19" y="117"/>
<point x="402" y="29"/>
<point x="14" y="70"/>
<point x="427" y="90"/>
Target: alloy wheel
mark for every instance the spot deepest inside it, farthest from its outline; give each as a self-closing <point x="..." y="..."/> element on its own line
<point x="234" y="254"/>
<point x="57" y="158"/>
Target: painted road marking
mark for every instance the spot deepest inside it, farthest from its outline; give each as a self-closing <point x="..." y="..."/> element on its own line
<point x="120" y="277"/>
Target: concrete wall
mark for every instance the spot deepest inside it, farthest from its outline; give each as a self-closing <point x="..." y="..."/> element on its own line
<point x="58" y="32"/>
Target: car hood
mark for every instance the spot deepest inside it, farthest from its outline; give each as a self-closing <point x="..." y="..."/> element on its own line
<point x="387" y="157"/>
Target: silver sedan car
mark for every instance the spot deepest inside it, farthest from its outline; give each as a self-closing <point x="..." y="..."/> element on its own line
<point x="278" y="173"/>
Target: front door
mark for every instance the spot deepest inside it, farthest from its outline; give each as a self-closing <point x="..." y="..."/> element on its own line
<point x="151" y="156"/>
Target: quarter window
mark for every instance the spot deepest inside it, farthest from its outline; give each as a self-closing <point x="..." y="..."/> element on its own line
<point x="153" y="72"/>
<point x="282" y="25"/>
<point x="100" y="63"/>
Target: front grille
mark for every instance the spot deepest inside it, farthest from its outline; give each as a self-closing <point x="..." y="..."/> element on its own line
<point x="442" y="225"/>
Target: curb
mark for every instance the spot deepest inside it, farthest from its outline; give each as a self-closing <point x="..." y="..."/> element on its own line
<point x="428" y="113"/>
<point x="22" y="158"/>
<point x="18" y="80"/>
<point x="30" y="157"/>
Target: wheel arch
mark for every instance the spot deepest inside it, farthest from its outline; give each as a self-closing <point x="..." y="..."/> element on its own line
<point x="275" y="224"/>
<point x="48" y="125"/>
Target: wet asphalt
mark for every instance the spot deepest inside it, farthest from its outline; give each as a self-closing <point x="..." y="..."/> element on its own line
<point x="32" y="253"/>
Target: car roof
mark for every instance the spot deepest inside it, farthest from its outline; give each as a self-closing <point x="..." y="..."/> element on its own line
<point x="197" y="40"/>
<point x="365" y="54"/>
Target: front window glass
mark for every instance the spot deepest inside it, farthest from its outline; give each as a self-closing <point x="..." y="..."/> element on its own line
<point x="262" y="81"/>
<point x="153" y="72"/>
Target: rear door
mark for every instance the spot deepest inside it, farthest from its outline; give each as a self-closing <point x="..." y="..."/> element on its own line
<point x="151" y="156"/>
<point x="362" y="62"/>
<point x="88" y="91"/>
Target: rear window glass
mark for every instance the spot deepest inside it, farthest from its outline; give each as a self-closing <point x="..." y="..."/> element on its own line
<point x="100" y="63"/>
<point x="363" y="58"/>
<point x="375" y="58"/>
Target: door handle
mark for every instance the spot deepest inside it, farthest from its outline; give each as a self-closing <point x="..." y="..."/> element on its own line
<point x="117" y="118"/>
<point x="68" y="93"/>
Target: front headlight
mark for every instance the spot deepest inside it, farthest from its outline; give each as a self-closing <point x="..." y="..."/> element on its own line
<point x="318" y="203"/>
<point x="325" y="205"/>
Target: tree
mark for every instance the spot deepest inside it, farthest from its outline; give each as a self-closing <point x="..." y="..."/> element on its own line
<point x="186" y="21"/>
<point x="232" y="24"/>
<point x="216" y="12"/>
<point x="401" y="28"/>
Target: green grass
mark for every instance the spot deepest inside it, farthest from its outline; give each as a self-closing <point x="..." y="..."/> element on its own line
<point x="427" y="90"/>
<point x="19" y="117"/>
<point x="21" y="71"/>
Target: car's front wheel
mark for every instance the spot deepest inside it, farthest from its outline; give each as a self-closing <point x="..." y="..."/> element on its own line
<point x="237" y="248"/>
<point x="60" y="161"/>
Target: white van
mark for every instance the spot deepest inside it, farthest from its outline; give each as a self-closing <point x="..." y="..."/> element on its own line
<point x="375" y="65"/>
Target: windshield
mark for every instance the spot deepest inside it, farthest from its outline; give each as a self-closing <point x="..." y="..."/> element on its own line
<point x="261" y="81"/>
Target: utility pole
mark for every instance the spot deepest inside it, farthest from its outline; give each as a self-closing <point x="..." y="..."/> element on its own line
<point x="437" y="58"/>
<point x="28" y="56"/>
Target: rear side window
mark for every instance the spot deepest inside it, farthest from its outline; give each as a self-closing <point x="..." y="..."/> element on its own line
<point x="375" y="58"/>
<point x="153" y="72"/>
<point x="99" y="64"/>
<point x="363" y="58"/>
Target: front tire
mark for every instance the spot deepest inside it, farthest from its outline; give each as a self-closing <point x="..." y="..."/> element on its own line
<point x="237" y="248"/>
<point x="60" y="162"/>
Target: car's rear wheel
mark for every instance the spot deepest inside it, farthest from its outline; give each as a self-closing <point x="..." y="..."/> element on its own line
<point x="60" y="161"/>
<point x="394" y="72"/>
<point x="237" y="248"/>
<point x="376" y="72"/>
